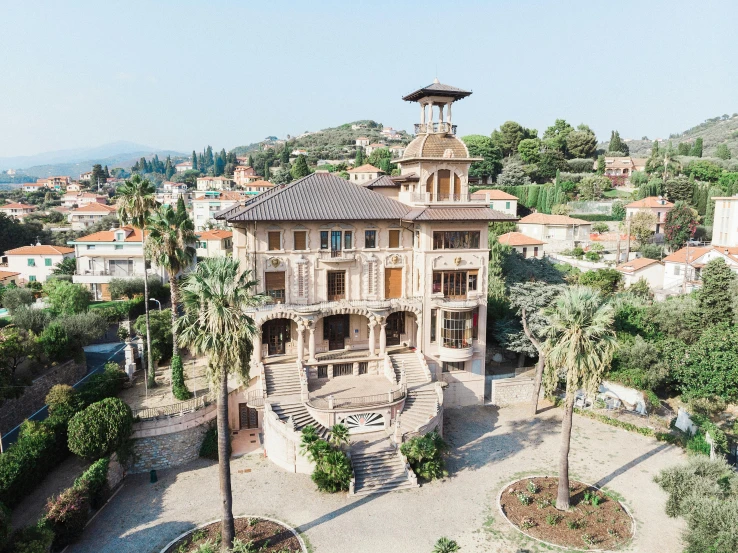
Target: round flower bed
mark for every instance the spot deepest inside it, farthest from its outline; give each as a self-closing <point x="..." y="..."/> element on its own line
<point x="258" y="533"/>
<point x="595" y="520"/>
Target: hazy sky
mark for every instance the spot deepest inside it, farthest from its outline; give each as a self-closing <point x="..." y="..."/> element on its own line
<point x="184" y="74"/>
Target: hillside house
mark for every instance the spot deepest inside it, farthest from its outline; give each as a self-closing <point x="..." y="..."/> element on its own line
<point x="17" y="210"/>
<point x="84" y="217"/>
<point x="372" y="147"/>
<point x="32" y="187"/>
<point x="80" y="199"/>
<point x="214" y="183"/>
<point x="55" y="183"/>
<point x="560" y="232"/>
<point x="214" y="243"/>
<point x="524" y="245"/>
<point x="183" y="166"/>
<point x="683" y="268"/>
<point x="725" y="221"/>
<point x="256" y="187"/>
<point x="651" y="270"/>
<point x="619" y="169"/>
<point x="244" y="175"/>
<point x="35" y="263"/>
<point x="499" y="200"/>
<point x="362" y="142"/>
<point x="659" y="206"/>
<point x="9" y="277"/>
<point x="364" y="173"/>
<point x="397" y="151"/>
<point x="205" y="206"/>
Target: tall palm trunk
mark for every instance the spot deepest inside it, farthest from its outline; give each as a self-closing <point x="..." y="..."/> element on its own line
<point x="539" y="366"/>
<point x="152" y="370"/>
<point x="227" y="531"/>
<point x="562" y="499"/>
<point x="174" y="296"/>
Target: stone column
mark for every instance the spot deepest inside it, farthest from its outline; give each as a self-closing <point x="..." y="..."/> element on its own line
<point x="383" y="339"/>
<point x="422" y="113"/>
<point x="440" y="113"/>
<point x="311" y="345"/>
<point x="449" y="113"/>
<point x="257" y="346"/>
<point x="419" y="334"/>
<point x="300" y="342"/>
<point x="372" y="339"/>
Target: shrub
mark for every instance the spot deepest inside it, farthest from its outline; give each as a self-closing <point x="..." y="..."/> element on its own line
<point x="33" y="539"/>
<point x="66" y="297"/>
<point x="5" y="528"/>
<point x="28" y="318"/>
<point x="66" y="515"/>
<point x="618" y="211"/>
<point x="24" y="464"/>
<point x="179" y="389"/>
<point x="333" y="472"/>
<point x="55" y="342"/>
<point x="600" y="227"/>
<point x="445" y="545"/>
<point x="94" y="482"/>
<point x="13" y="298"/>
<point x="425" y="455"/>
<point x="209" y="447"/>
<point x="592" y="256"/>
<point x="63" y="401"/>
<point x="580" y="165"/>
<point x="83" y="328"/>
<point x="100" y="429"/>
<point x="103" y="384"/>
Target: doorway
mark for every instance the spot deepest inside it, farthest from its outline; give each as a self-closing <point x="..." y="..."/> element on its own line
<point x="395" y="328"/>
<point x="247" y="416"/>
<point x="276" y="335"/>
<point x="335" y="330"/>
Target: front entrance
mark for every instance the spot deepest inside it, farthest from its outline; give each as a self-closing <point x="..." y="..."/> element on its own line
<point x="247" y="416"/>
<point x="276" y="335"/>
<point x="395" y="327"/>
<point x="335" y="330"/>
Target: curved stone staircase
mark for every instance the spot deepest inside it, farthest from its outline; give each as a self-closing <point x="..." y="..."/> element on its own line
<point x="300" y="416"/>
<point x="282" y="379"/>
<point x="377" y="466"/>
<point x="415" y="373"/>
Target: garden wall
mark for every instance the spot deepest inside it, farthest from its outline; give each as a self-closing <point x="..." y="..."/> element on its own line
<point x="510" y="391"/>
<point x="15" y="411"/>
<point x="170" y="442"/>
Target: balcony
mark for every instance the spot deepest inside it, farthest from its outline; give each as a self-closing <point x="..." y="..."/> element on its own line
<point x="323" y="306"/>
<point x="463" y="353"/>
<point x="430" y="197"/>
<point x="445" y="128"/>
<point x="456" y="303"/>
<point x="336" y="256"/>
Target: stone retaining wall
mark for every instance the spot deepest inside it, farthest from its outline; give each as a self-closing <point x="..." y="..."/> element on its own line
<point x="167" y="450"/>
<point x="511" y="391"/>
<point x="15" y="411"/>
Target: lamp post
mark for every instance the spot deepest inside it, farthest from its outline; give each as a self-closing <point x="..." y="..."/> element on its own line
<point x="157" y="302"/>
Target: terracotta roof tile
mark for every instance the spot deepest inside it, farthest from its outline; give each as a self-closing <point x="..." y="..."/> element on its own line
<point x="457" y="214"/>
<point x="214" y="234"/>
<point x="109" y="236"/>
<point x="17" y="206"/>
<point x="651" y="201"/>
<point x="636" y="264"/>
<point x="7" y="274"/>
<point x="40" y="250"/>
<point x="366" y="168"/>
<point x="494" y="194"/>
<point x="95" y="207"/>
<point x="518" y="239"/>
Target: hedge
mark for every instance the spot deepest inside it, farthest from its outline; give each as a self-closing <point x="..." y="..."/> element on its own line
<point x="592" y="217"/>
<point x="41" y="446"/>
<point x="100" y="429"/>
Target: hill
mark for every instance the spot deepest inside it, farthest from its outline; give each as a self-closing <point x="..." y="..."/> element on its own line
<point x="714" y="131"/>
<point x="331" y="143"/>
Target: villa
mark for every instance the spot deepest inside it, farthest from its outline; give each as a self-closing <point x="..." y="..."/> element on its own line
<point x="377" y="315"/>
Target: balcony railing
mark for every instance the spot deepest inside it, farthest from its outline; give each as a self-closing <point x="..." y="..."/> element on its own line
<point x="331" y="402"/>
<point x="423" y="128"/>
<point x="430" y="197"/>
<point x="115" y="273"/>
<point x="327" y="305"/>
<point x="336" y="255"/>
<point x="173" y="410"/>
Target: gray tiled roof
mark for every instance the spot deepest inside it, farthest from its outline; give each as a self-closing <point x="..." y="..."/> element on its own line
<point x="436" y="89"/>
<point x="317" y="197"/>
<point x="383" y="181"/>
<point x="457" y="214"/>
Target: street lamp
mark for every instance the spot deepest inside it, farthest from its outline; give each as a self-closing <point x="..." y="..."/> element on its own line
<point x="157" y="301"/>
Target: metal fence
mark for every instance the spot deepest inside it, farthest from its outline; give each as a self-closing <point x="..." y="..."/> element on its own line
<point x="174" y="409"/>
<point x="359" y="401"/>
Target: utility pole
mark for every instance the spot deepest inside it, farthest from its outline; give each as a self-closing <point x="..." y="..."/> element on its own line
<point x="627" y="246"/>
<point x="686" y="268"/>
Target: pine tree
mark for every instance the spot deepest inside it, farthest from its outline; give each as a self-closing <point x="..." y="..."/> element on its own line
<point x="300" y="168"/>
<point x="697" y="148"/>
<point x="267" y="173"/>
<point x="723" y="152"/>
<point x="194" y="160"/>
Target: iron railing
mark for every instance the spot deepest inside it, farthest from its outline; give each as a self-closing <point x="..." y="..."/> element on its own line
<point x="173" y="410"/>
<point x="327" y="305"/>
<point x="255" y="398"/>
<point x="360" y="401"/>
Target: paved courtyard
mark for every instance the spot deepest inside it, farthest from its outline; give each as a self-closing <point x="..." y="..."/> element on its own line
<point x="490" y="448"/>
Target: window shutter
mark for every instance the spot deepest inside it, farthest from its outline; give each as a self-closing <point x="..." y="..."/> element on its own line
<point x="274" y="280"/>
<point x="300" y="240"/>
<point x="274" y="241"/>
<point x="394" y="239"/>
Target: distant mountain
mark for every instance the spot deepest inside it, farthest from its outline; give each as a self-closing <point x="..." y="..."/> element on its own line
<point x="714" y="131"/>
<point x="125" y="160"/>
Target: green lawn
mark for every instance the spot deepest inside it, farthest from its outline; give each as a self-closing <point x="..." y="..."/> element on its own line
<point x="616" y="194"/>
<point x="102" y="304"/>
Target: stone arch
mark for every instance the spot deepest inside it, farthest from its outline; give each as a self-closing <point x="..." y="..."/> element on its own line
<point x="279" y="314"/>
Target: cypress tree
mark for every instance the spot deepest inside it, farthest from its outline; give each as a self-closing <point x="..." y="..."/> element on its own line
<point x="285" y="157"/>
<point x="697" y="148"/>
<point x="107" y="173"/>
<point x="209" y="159"/>
<point x="300" y="168"/>
<point x="267" y="174"/>
<point x="251" y="161"/>
<point x="194" y="160"/>
<point x="550" y="198"/>
<point x="542" y="200"/>
<point x="359" y="157"/>
<point x="534" y="193"/>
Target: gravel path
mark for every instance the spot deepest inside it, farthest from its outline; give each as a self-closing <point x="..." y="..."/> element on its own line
<point x="490" y="448"/>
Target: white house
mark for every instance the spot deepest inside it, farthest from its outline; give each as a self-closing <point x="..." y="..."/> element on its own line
<point x="32" y="186"/>
<point x="214" y="243"/>
<point x="660" y="207"/>
<point x="397" y="151"/>
<point x="364" y="173"/>
<point x="683" y="268"/>
<point x="205" y="206"/>
<point x="642" y="268"/>
<point x="103" y="256"/>
<point x="36" y="263"/>
<point x="214" y="183"/>
<point x="84" y="217"/>
<point x="82" y="198"/>
<point x="362" y="142"/>
<point x="499" y="200"/>
<point x="560" y="232"/>
<point x="725" y="225"/>
<point x="183" y="167"/>
<point x="17" y="210"/>
<point x="524" y="245"/>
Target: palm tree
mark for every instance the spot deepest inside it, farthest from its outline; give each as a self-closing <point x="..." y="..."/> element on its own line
<point x="136" y="200"/>
<point x="581" y="341"/>
<point x="214" y="323"/>
<point x="171" y="235"/>
<point x="445" y="545"/>
<point x="339" y="435"/>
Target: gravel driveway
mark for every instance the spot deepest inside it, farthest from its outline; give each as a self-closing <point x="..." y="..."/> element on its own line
<point x="490" y="447"/>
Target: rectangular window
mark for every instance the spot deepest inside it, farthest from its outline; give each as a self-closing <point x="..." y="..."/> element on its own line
<point x="47" y="262"/>
<point x="370" y="239"/>
<point x="456" y="240"/>
<point x="451" y="366"/>
<point x="323" y="239"/>
<point x="31" y="278"/>
<point x="677" y="270"/>
<point x="453" y="284"/>
<point x="472" y="281"/>
<point x="348" y="239"/>
<point x="31" y="262"/>
<point x="434" y="324"/>
<point x="475" y="323"/>
<point x="300" y="240"/>
<point x="335" y="241"/>
<point x="120" y="246"/>
<point x="274" y="241"/>
<point x="457" y="329"/>
<point x="507" y="205"/>
<point x="525" y="252"/>
<point x="275" y="287"/>
<point x="394" y="239"/>
<point x="336" y="285"/>
<point x="535" y="251"/>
